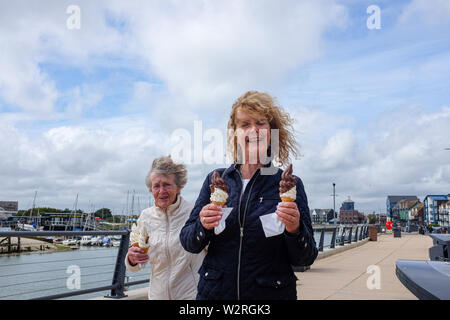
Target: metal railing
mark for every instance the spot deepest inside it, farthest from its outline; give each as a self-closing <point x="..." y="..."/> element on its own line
<point x="118" y="284"/>
<point x="341" y="236"/>
<point x="346" y="235"/>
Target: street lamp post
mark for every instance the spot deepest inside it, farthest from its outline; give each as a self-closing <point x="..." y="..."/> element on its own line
<point x="334" y="203"/>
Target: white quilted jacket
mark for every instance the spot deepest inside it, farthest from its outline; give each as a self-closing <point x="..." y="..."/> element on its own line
<point x="174" y="271"/>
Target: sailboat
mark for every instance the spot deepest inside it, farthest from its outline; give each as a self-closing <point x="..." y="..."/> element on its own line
<point x="27" y="226"/>
<point x="71" y="241"/>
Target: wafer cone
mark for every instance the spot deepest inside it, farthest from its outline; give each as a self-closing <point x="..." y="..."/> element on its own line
<point x="136" y="244"/>
<point x="220" y="204"/>
<point x="287" y="199"/>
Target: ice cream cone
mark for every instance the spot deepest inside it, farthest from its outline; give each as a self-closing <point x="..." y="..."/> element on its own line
<point x="287" y="199"/>
<point x="219" y="190"/>
<point x="220" y="204"/>
<point x="136" y="244"/>
<point x="288" y="191"/>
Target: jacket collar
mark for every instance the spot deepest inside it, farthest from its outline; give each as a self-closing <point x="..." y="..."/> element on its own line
<point x="236" y="166"/>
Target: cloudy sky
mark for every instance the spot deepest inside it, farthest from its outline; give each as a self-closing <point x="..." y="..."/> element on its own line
<point x="92" y="91"/>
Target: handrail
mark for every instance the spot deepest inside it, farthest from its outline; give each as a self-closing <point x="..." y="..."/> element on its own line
<point x="118" y="284"/>
<point x="62" y="233"/>
<point x="346" y="235"/>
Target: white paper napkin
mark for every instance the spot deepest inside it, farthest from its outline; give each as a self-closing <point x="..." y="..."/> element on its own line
<point x="225" y="213"/>
<point x="272" y="226"/>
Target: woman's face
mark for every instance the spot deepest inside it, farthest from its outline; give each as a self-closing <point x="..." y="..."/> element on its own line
<point x="164" y="189"/>
<point x="253" y="135"/>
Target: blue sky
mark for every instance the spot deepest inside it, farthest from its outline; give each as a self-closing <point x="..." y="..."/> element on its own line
<point x="85" y="111"/>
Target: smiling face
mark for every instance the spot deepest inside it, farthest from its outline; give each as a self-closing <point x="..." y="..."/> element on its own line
<point x="253" y="135"/>
<point x="164" y="189"/>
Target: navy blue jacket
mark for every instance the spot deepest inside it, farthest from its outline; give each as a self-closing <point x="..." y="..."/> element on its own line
<point x="241" y="262"/>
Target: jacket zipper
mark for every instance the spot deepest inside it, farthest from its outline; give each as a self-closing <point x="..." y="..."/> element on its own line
<point x="241" y="227"/>
<point x="261" y="199"/>
<point x="168" y="254"/>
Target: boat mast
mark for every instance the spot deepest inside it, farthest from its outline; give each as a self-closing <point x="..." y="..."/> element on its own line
<point x="132" y="211"/>
<point x="70" y="215"/>
<point x="34" y="204"/>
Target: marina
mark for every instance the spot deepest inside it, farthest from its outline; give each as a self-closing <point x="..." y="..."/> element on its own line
<point x="28" y="276"/>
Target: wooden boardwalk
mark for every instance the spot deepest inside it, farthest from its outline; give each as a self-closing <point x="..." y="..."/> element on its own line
<point x="344" y="276"/>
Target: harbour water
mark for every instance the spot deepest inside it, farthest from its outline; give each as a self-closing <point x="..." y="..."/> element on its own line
<point x="27" y="276"/>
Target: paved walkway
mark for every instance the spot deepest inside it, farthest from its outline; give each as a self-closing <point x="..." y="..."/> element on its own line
<point x="344" y="276"/>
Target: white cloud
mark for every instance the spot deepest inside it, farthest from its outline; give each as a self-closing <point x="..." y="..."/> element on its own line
<point x="21" y="81"/>
<point x="100" y="161"/>
<point x="430" y="12"/>
<point x="402" y="152"/>
<point x="339" y="150"/>
<point x="36" y="32"/>
<point x="197" y="58"/>
<point x="208" y="51"/>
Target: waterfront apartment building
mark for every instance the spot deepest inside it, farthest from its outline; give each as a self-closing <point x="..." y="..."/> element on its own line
<point x="8" y="209"/>
<point x="403" y="213"/>
<point x="391" y="201"/>
<point x="444" y="214"/>
<point x="415" y="214"/>
<point x="348" y="214"/>
<point x="321" y="215"/>
<point x="381" y="219"/>
<point x="431" y="208"/>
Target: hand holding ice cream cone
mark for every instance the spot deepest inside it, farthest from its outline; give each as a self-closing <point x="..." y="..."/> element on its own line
<point x="139" y="240"/>
<point x="211" y="214"/>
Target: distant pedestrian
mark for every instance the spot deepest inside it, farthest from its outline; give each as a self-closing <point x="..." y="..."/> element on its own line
<point x="174" y="271"/>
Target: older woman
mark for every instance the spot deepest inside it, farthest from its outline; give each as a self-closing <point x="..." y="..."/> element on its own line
<point x="173" y="270"/>
<point x="244" y="261"/>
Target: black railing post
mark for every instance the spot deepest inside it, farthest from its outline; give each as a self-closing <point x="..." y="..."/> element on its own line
<point x="322" y="234"/>
<point x="117" y="290"/>
<point x="343" y="237"/>
<point x="356" y="233"/>
<point x="361" y="233"/>
<point x="350" y="235"/>
<point x="333" y="239"/>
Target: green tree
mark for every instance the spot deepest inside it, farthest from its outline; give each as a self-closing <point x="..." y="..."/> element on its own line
<point x="103" y="213"/>
<point x="372" y="218"/>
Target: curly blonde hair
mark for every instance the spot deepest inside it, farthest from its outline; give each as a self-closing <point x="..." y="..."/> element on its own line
<point x="256" y="104"/>
<point x="166" y="166"/>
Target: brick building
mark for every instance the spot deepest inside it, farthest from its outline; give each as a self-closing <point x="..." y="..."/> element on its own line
<point x="348" y="214"/>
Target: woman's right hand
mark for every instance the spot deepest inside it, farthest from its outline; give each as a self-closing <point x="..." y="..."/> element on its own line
<point x="210" y="216"/>
<point x="137" y="256"/>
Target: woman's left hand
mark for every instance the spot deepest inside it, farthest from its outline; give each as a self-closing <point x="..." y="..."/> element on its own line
<point x="288" y="214"/>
